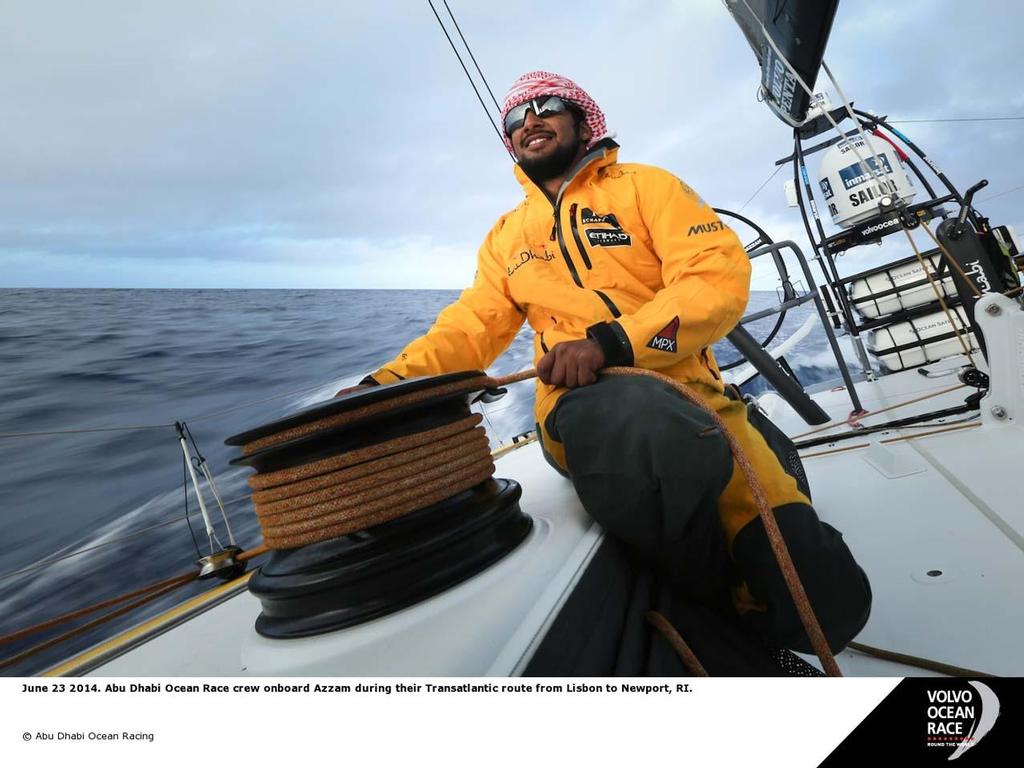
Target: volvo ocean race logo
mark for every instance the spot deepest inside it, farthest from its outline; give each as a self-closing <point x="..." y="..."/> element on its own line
<point x="960" y="717"/>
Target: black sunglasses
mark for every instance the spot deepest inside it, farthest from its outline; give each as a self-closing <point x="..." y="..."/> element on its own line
<point x="542" y="107"/>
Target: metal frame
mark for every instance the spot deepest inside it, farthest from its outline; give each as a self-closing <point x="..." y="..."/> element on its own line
<point x="823" y="245"/>
<point x="813" y="295"/>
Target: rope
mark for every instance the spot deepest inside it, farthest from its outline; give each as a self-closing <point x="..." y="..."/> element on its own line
<point x="889" y="440"/>
<point x="941" y="298"/>
<point x="512" y="378"/>
<point x="865" y="414"/>
<point x="918" y="661"/>
<point x="368" y="473"/>
<point x="170" y="587"/>
<point x="679" y="645"/>
<point x="952" y="262"/>
<point x="368" y="486"/>
<point x="848" y="106"/>
<point x="324" y="466"/>
<point x="145" y="594"/>
<point x="79" y="613"/>
<point x="909" y="422"/>
<point x="348" y="417"/>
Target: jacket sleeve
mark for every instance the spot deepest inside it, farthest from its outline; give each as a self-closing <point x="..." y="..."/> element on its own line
<point x="469" y="334"/>
<point x="705" y="275"/>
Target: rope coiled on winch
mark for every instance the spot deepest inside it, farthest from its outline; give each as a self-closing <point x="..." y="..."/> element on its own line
<point x="346" y="493"/>
<point x="375" y="409"/>
<point x="368" y="486"/>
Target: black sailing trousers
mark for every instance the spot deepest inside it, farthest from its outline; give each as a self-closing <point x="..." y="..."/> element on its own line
<point x="655" y="472"/>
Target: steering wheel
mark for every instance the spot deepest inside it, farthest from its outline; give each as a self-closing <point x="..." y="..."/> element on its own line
<point x="759" y="238"/>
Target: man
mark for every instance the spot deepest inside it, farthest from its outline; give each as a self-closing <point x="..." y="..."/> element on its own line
<point x="624" y="265"/>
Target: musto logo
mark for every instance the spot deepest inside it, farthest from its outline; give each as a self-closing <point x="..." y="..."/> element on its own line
<point x="961" y="717"/>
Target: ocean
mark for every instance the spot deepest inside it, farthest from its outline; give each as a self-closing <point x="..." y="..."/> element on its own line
<point x="87" y="515"/>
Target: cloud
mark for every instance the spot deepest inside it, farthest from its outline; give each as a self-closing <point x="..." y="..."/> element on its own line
<point x="281" y="145"/>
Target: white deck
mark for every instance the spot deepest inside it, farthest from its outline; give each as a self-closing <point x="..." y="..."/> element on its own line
<point x="945" y="503"/>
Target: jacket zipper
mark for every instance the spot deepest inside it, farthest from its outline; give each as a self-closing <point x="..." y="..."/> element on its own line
<point x="561" y="246"/>
<point x="576" y="236"/>
<point x="557" y="230"/>
<point x="586" y="260"/>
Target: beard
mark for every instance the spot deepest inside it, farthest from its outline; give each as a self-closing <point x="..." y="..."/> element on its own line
<point x="552" y="166"/>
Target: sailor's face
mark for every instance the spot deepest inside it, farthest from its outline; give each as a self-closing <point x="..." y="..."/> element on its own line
<point x="542" y="137"/>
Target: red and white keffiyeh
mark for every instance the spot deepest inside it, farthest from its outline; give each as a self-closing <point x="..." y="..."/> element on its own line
<point x="533" y="85"/>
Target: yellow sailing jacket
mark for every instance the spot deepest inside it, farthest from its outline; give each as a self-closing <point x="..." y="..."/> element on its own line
<point x="627" y="254"/>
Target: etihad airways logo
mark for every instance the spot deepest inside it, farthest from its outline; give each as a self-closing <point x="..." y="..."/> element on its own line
<point x="960" y="717"/>
<point x="608" y="237"/>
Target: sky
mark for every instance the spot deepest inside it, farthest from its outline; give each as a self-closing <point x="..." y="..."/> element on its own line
<point x="335" y="144"/>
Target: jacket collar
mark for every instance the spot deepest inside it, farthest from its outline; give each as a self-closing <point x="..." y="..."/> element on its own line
<point x="602" y="154"/>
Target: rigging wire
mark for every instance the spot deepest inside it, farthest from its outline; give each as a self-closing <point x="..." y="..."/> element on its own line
<point x="758" y="190"/>
<point x="171" y="425"/>
<point x="1000" y="194"/>
<point x="958" y="120"/>
<point x="87" y="429"/>
<point x="193" y="418"/>
<point x="232" y="409"/>
<point x="874" y="170"/>
<point x="184" y="485"/>
<point x="469" y="77"/>
<point x="470" y="51"/>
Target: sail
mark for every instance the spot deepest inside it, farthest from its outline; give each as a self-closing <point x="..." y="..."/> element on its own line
<point x="800" y="30"/>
